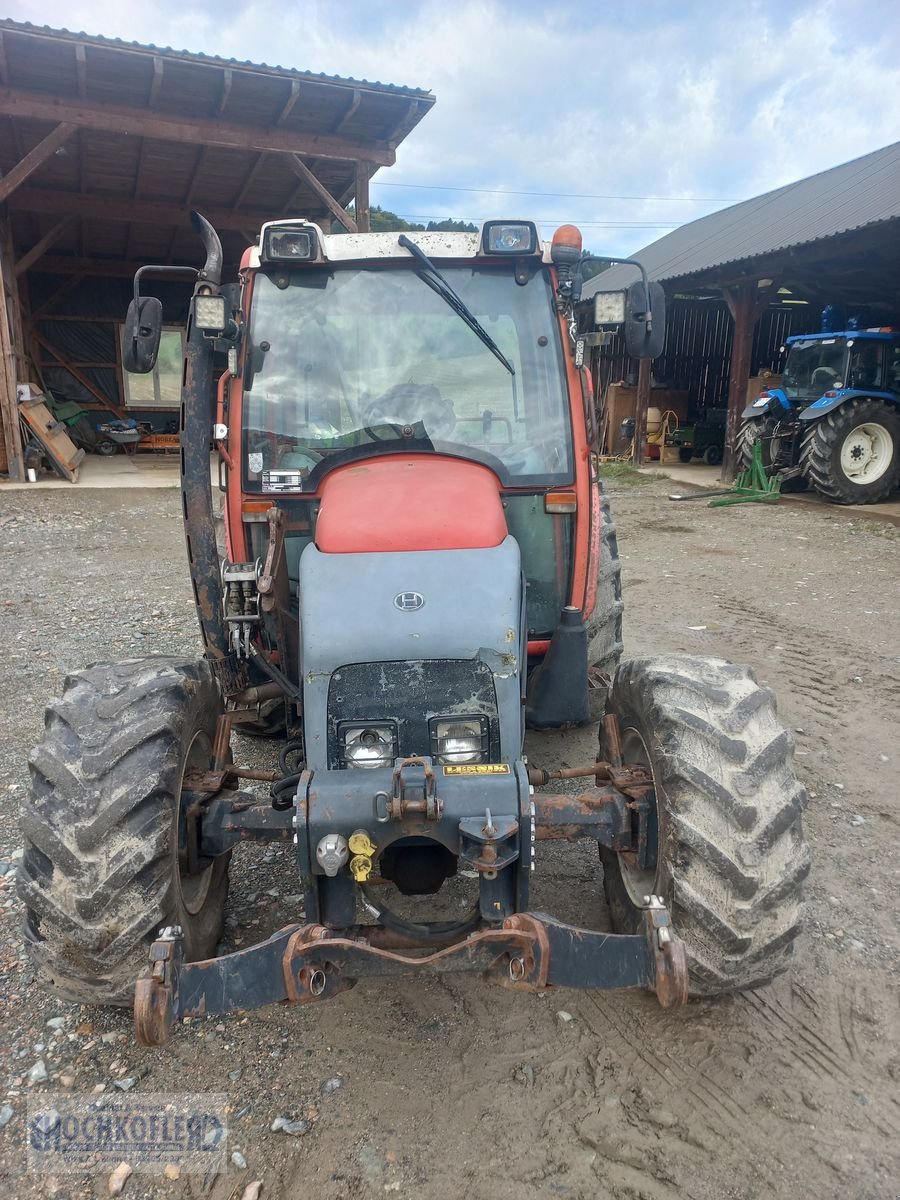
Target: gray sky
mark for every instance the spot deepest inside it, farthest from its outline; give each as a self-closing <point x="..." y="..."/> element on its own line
<point x="681" y="107"/>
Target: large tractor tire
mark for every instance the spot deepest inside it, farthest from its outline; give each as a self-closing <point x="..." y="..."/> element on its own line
<point x="753" y="430"/>
<point x="852" y="455"/>
<point x="604" y="625"/>
<point x="731" y="855"/>
<point x="101" y="871"/>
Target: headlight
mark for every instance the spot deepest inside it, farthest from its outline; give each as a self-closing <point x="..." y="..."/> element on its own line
<point x="369" y="746"/>
<point x="509" y="237"/>
<point x="459" y="740"/>
<point x="287" y="243"/>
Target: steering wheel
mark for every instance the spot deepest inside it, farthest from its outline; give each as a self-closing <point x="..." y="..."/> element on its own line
<point x="406" y="404"/>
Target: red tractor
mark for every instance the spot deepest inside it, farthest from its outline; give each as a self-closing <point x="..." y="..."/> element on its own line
<point x="419" y="563"/>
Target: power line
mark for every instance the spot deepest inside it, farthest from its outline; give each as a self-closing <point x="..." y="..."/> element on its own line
<point x="556" y="221"/>
<point x="557" y="195"/>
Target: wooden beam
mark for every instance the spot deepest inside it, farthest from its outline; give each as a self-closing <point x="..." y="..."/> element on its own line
<point x="415" y="110"/>
<point x="741" y="303"/>
<point x="64" y="289"/>
<point x="9" y="409"/>
<point x="248" y="180"/>
<point x="362" y="197"/>
<point x="299" y="167"/>
<point x="289" y="103"/>
<point x="82" y="164"/>
<point x="34" y="158"/>
<point x="96" y="267"/>
<point x="73" y="370"/>
<point x="641" y="404"/>
<point x="159" y="68"/>
<point x="226" y="92"/>
<point x="172" y="243"/>
<point x="139" y="171"/>
<point x="81" y="69"/>
<point x="4" y="69"/>
<point x="348" y="111"/>
<point x="141" y="212"/>
<point x="113" y="118"/>
<point x="199" y="164"/>
<point x="37" y="251"/>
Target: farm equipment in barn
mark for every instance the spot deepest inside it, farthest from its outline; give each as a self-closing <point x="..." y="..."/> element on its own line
<point x="419" y="562"/>
<point x="834" y="424"/>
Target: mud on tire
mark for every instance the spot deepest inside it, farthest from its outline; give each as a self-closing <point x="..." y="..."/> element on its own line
<point x="732" y="857"/>
<point x="604" y="625"/>
<point x="100" y="870"/>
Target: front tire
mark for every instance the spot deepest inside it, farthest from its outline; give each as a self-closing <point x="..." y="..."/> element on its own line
<point x="731" y="854"/>
<point x="604" y="625"/>
<point x="852" y="454"/>
<point x="101" y="871"/>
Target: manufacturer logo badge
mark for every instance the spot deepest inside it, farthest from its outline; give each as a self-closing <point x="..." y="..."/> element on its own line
<point x="409" y="601"/>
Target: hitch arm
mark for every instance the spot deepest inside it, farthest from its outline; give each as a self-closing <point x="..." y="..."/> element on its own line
<point x="303" y="964"/>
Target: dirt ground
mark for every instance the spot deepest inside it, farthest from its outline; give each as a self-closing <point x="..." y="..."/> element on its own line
<point x="451" y="1086"/>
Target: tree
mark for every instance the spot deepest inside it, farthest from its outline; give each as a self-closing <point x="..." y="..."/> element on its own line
<point x="382" y="220"/>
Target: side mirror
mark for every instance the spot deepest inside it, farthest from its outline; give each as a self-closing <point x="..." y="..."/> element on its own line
<point x="641" y="342"/>
<point x="143" y="331"/>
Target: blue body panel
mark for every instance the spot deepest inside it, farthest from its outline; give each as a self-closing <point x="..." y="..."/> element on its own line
<point x="776" y="402"/>
<point x="827" y="403"/>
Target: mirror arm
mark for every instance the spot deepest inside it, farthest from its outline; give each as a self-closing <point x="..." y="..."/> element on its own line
<point x="190" y="272"/>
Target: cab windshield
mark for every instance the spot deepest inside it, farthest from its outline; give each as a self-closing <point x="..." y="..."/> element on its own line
<point x="347" y="362"/>
<point x="814" y="367"/>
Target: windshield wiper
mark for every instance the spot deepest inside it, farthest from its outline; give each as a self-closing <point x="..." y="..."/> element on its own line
<point x="436" y="281"/>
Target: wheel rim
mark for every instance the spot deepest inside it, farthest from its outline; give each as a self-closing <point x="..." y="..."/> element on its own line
<point x="639" y="884"/>
<point x="192" y="889"/>
<point x="867" y="452"/>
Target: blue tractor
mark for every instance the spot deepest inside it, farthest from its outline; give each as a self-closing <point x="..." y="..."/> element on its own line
<point x="834" y="424"/>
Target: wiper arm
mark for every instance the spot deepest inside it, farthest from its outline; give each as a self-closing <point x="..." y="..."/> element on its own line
<point x="436" y="281"/>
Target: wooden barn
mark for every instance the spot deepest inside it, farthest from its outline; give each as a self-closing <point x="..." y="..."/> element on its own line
<point x="105" y="148"/>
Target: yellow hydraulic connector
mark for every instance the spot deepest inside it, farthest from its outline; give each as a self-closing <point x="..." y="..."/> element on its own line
<point x="362" y="848"/>
<point x="360" y="867"/>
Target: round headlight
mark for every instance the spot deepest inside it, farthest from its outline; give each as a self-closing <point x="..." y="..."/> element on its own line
<point x="367" y="748"/>
<point x="459" y="744"/>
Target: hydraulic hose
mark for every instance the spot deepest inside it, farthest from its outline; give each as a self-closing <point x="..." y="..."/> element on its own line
<point x="438" y="932"/>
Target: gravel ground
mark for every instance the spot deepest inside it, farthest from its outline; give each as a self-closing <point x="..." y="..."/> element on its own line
<point x="429" y="1088"/>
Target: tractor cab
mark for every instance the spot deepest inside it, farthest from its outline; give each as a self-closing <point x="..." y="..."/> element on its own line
<point x="858" y="360"/>
<point x="348" y="359"/>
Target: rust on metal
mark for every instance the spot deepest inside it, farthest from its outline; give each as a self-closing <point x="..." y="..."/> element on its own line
<point x="669" y="956"/>
<point x="569" y="818"/>
<point x="612" y="739"/>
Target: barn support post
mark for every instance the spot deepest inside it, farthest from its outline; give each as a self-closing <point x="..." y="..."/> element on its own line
<point x="641" y="404"/>
<point x="362" y="197"/>
<point x="11" y="351"/>
<point x="746" y="302"/>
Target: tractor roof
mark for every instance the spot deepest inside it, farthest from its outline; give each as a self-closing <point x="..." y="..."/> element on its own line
<point x="358" y="247"/>
<point x="875" y="335"/>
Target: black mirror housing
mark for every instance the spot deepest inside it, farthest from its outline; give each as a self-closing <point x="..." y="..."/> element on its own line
<point x="641" y="342"/>
<point x="143" y="332"/>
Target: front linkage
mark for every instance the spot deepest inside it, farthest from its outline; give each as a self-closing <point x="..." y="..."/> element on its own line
<point x="525" y="950"/>
<point x="305" y="964"/>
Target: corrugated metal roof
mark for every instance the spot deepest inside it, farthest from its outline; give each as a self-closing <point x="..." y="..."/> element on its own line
<point x="862" y="192"/>
<point x="209" y="59"/>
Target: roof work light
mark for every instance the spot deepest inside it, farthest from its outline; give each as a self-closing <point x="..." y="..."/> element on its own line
<point x="290" y="243"/>
<point x="509" y="237"/>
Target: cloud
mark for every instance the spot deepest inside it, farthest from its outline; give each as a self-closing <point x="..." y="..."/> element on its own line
<point x="656" y="100"/>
